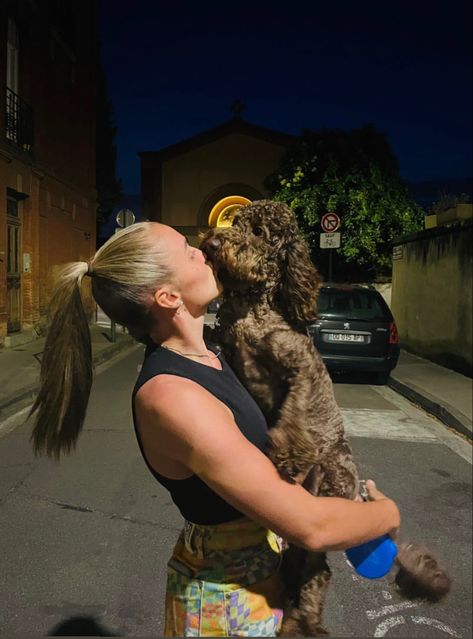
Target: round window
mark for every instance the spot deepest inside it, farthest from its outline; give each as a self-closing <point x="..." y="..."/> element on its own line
<point x="223" y="211"/>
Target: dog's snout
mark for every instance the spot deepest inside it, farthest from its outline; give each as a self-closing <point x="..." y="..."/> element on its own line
<point x="211" y="246"/>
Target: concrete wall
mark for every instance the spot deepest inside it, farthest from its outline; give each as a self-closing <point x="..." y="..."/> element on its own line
<point x="432" y="295"/>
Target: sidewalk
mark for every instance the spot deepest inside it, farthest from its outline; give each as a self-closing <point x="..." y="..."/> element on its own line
<point x="440" y="391"/>
<point x="20" y="366"/>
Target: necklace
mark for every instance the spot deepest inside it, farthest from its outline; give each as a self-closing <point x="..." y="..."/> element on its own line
<point x="175" y="350"/>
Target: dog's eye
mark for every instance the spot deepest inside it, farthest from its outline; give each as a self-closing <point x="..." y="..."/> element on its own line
<point x="257" y="230"/>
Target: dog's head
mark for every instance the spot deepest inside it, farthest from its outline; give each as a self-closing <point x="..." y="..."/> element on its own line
<point x="264" y="250"/>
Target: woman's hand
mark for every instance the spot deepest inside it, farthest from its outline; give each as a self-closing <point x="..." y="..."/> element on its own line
<point x="376" y="495"/>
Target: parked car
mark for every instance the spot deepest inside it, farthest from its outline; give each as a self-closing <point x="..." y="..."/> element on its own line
<point x="355" y="330"/>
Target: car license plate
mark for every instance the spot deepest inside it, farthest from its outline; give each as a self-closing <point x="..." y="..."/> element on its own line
<point x="346" y="337"/>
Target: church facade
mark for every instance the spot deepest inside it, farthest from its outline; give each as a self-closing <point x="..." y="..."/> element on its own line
<point x="199" y="182"/>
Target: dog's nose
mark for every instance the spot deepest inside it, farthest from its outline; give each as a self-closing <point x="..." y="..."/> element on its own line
<point x="210" y="246"/>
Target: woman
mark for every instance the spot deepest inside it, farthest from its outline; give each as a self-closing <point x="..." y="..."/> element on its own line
<point x="200" y="433"/>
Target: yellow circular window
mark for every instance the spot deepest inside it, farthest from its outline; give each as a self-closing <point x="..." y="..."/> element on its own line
<point x="222" y="213"/>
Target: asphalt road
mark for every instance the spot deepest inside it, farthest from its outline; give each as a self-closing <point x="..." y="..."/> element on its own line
<point x="90" y="536"/>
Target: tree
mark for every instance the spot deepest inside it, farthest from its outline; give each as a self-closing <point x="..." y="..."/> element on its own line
<point x="354" y="174"/>
<point x="109" y="187"/>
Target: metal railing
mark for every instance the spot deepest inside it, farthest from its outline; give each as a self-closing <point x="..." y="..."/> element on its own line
<point x="19" y="125"/>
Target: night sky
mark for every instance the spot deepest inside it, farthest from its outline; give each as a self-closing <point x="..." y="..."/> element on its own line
<point x="174" y="68"/>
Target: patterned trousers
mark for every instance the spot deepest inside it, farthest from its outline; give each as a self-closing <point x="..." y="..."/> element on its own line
<point x="223" y="581"/>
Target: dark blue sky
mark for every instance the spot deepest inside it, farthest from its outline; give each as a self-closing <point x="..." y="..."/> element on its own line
<point x="174" y="68"/>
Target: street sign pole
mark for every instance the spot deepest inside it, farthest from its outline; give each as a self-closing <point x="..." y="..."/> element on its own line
<point x="330" y="239"/>
<point x="124" y="218"/>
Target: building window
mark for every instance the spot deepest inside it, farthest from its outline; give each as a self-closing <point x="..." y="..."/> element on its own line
<point x="18" y="114"/>
<point x="13" y="45"/>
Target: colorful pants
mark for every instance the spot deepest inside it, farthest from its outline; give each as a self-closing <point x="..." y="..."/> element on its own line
<point x="223" y="581"/>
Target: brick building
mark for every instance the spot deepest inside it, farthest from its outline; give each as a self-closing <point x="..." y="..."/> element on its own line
<point x="48" y="78"/>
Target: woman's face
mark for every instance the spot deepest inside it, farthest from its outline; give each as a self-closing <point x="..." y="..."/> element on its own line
<point x="193" y="278"/>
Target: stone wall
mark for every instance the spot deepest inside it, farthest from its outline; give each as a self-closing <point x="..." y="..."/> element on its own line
<point x="432" y="294"/>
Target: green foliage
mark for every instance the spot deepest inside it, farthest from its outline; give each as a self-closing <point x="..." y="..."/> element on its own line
<point x="355" y="175"/>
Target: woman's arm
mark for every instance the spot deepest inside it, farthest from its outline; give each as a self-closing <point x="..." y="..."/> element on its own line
<point x="192" y="427"/>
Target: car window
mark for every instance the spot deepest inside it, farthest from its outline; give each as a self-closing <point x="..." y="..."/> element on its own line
<point x="351" y="305"/>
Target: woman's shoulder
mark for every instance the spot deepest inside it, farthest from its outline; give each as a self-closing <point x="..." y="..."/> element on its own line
<point x="160" y="385"/>
<point x="164" y="392"/>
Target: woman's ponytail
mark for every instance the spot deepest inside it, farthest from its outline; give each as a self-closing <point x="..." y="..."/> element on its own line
<point x="126" y="271"/>
<point x="66" y="368"/>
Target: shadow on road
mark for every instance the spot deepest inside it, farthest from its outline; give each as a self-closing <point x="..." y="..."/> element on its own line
<point x="356" y="377"/>
<point x="80" y="626"/>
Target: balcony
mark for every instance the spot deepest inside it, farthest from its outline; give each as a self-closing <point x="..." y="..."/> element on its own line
<point x="19" y="126"/>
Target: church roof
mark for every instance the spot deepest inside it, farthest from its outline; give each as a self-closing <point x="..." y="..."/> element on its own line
<point x="234" y="126"/>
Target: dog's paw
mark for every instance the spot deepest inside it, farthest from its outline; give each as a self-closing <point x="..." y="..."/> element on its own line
<point x="292" y="456"/>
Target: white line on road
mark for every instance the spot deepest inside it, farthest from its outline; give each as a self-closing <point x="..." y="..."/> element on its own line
<point x="384" y="424"/>
<point x="453" y="441"/>
<point x="387" y="624"/>
<point x="427" y="621"/>
<point x="388" y="610"/>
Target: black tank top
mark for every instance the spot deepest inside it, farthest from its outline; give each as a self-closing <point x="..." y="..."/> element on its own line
<point x="196" y="501"/>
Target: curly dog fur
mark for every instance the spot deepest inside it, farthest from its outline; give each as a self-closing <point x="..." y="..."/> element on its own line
<point x="270" y="296"/>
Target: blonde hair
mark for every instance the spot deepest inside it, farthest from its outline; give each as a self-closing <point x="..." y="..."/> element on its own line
<point x="125" y="273"/>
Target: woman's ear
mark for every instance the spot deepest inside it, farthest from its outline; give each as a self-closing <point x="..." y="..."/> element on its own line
<point x="299" y="285"/>
<point x="167" y="298"/>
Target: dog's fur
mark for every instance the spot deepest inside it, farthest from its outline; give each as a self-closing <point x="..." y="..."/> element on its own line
<point x="270" y="293"/>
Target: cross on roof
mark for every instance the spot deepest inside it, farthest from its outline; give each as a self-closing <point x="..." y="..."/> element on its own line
<point x="237" y="108"/>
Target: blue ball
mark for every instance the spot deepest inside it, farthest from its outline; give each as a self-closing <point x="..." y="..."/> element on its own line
<point x="374" y="558"/>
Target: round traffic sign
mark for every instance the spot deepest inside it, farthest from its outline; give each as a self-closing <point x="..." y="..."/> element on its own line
<point x="125" y="218"/>
<point x="330" y="222"/>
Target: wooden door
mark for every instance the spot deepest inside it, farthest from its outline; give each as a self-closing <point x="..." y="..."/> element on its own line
<point x="13" y="266"/>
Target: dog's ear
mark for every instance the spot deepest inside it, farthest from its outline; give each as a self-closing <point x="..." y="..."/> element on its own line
<point x="300" y="283"/>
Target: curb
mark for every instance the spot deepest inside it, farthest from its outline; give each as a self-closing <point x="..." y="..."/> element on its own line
<point x="443" y="411"/>
<point x="26" y="396"/>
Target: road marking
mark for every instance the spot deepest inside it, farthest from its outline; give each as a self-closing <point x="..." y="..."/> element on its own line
<point x="387" y="624"/>
<point x="436" y="624"/>
<point x="384" y="424"/>
<point x="388" y="610"/>
<point x="446" y="437"/>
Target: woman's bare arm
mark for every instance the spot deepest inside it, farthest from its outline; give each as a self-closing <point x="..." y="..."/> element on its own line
<point x="198" y="431"/>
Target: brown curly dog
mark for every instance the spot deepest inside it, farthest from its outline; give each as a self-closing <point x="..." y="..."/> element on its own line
<point x="270" y="296"/>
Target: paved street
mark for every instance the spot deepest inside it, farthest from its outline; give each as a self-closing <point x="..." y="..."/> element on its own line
<point x="90" y="535"/>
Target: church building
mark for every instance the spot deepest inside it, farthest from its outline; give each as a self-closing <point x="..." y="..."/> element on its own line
<point x="199" y="182"/>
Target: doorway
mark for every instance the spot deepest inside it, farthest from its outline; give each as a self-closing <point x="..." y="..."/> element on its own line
<point x="13" y="266"/>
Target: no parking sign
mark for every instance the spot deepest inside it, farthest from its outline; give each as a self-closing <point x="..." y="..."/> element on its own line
<point x="330" y="222"/>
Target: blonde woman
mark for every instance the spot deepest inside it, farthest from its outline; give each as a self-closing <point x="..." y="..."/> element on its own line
<point x="201" y="435"/>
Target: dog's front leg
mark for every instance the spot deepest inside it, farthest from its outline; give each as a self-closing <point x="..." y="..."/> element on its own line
<point x="293" y="448"/>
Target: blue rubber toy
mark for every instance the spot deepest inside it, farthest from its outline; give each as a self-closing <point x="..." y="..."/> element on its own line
<point x="374" y="558"/>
